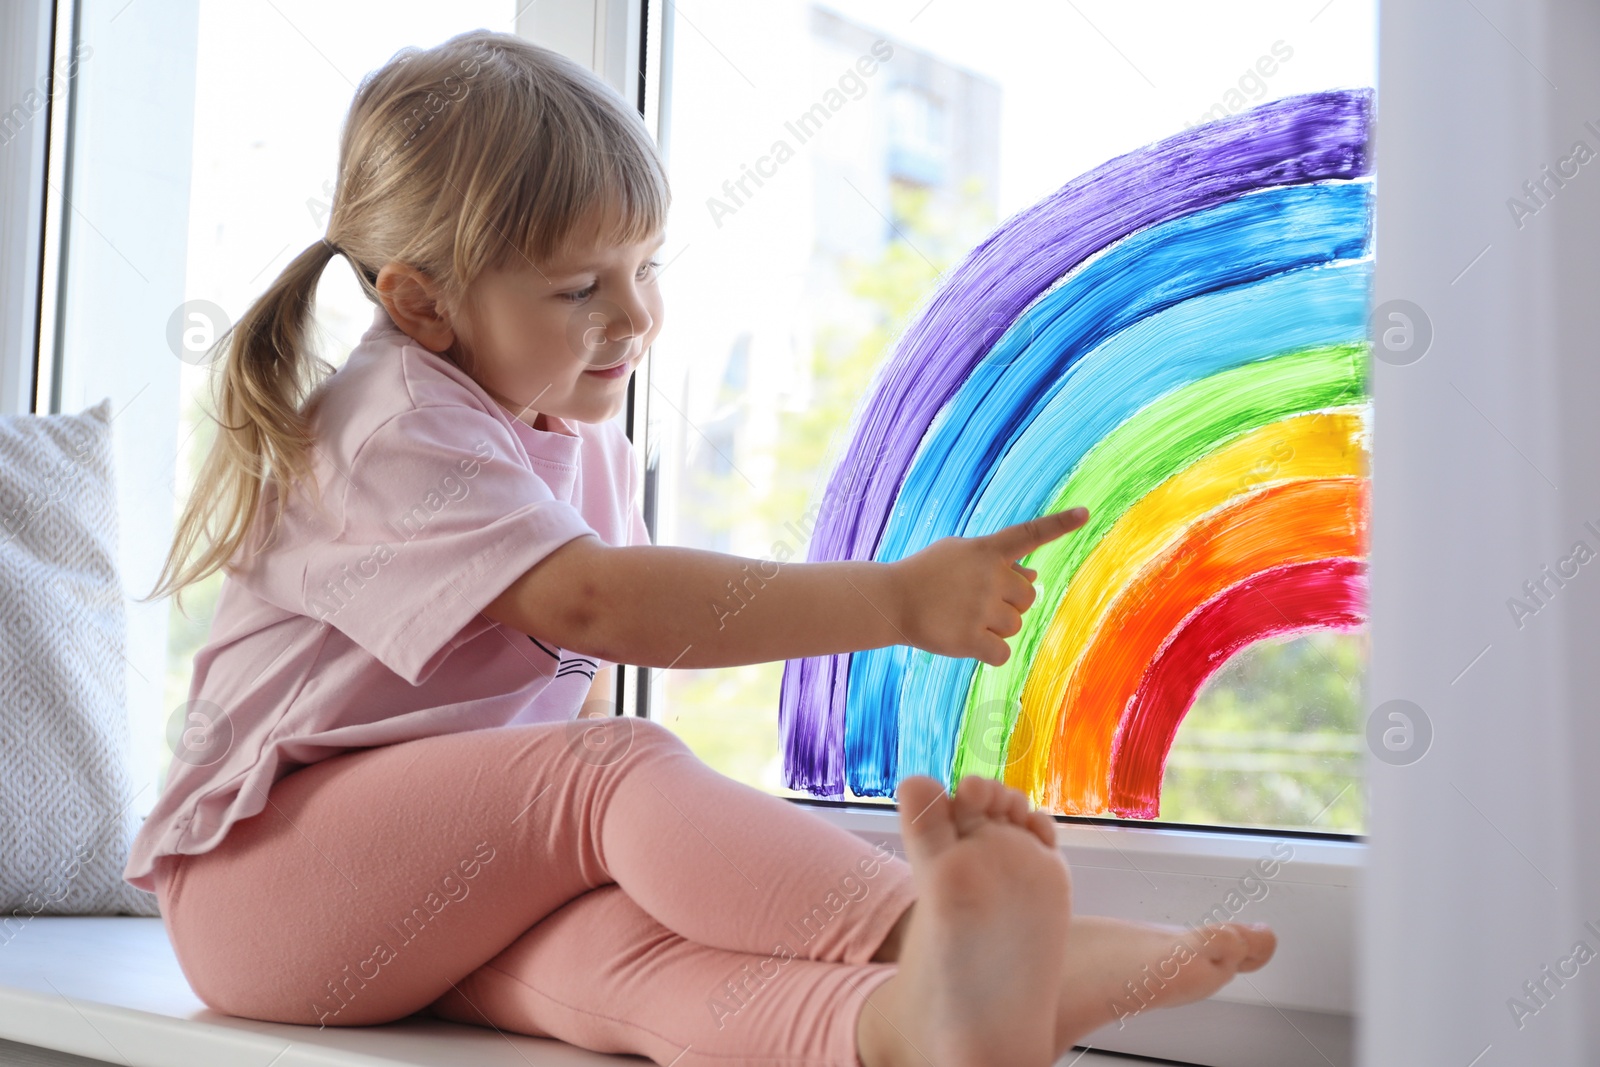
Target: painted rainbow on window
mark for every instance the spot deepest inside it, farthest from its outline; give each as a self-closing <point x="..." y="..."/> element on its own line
<point x="1176" y="340"/>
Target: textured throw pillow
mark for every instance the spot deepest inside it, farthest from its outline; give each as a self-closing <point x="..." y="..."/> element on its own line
<point x="66" y="806"/>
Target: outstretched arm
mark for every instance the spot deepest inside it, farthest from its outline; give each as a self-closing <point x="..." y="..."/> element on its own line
<point x="660" y="606"/>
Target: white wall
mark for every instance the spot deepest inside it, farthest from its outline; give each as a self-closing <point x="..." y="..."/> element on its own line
<point x="1484" y="863"/>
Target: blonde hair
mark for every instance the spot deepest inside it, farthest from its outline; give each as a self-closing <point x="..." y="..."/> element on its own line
<point x="454" y="160"/>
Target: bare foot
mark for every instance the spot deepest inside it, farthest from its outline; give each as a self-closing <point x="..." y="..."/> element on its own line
<point x="999" y="801"/>
<point x="1115" y="969"/>
<point x="1112" y="969"/>
<point x="983" y="951"/>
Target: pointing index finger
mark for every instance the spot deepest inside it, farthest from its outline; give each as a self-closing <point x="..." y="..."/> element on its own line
<point x="1024" y="537"/>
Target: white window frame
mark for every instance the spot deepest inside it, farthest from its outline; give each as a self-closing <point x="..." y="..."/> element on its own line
<point x="1297" y="1011"/>
<point x="26" y="39"/>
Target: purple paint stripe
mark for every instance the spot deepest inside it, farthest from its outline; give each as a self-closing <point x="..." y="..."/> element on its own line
<point x="1296" y="140"/>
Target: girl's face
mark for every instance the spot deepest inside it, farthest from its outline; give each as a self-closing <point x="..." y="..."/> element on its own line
<point x="562" y="338"/>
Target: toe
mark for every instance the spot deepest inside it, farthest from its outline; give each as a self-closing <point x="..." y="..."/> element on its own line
<point x="1225" y="945"/>
<point x="1043" y="827"/>
<point x="927" y="822"/>
<point x="1014" y="805"/>
<point x="973" y="797"/>
<point x="999" y="797"/>
<point x="1260" y="944"/>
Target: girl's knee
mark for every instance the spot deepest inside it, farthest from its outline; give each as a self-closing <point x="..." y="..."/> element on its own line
<point x="651" y="737"/>
<point x="603" y="742"/>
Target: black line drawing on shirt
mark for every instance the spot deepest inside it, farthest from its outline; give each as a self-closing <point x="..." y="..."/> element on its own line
<point x="567" y="664"/>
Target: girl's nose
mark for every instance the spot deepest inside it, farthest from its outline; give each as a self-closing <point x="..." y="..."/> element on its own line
<point x="628" y="319"/>
<point x="603" y="327"/>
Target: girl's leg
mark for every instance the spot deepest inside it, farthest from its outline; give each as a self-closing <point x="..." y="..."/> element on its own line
<point x="725" y="865"/>
<point x="601" y="973"/>
<point x="374" y="879"/>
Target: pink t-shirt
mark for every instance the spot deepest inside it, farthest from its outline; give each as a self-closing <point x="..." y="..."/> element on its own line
<point x="360" y="626"/>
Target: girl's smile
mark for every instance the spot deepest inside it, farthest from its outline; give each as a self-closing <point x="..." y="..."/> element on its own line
<point x="619" y="371"/>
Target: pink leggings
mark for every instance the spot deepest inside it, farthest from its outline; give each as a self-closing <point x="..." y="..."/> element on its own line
<point x="593" y="882"/>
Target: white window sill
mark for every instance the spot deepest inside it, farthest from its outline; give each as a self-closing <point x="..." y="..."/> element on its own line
<point x="110" y="989"/>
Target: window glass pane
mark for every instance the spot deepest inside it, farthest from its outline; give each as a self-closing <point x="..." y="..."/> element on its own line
<point x="831" y="167"/>
<point x="271" y="90"/>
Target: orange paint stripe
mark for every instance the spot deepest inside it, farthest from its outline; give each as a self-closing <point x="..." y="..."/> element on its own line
<point x="1295" y="522"/>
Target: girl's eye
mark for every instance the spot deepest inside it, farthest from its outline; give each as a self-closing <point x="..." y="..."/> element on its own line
<point x="578" y="296"/>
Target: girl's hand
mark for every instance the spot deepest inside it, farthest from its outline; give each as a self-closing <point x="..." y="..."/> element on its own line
<point x="962" y="596"/>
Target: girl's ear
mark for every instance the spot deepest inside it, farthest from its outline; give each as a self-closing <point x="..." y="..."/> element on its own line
<point x="412" y="301"/>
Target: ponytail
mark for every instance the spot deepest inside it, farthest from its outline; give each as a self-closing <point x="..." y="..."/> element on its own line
<point x="262" y="432"/>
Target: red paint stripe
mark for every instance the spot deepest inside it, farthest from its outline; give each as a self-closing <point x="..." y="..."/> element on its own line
<point x="1321" y="594"/>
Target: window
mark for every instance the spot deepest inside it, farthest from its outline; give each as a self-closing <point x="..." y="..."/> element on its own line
<point x="822" y="195"/>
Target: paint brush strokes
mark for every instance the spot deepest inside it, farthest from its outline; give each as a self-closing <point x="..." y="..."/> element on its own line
<point x="1293" y="523"/>
<point x="1321" y="595"/>
<point x="1163" y="354"/>
<point x="1187" y="342"/>
<point x="1275" y="233"/>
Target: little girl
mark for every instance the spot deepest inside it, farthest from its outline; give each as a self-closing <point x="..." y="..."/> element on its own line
<point x="386" y="804"/>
